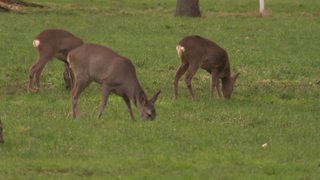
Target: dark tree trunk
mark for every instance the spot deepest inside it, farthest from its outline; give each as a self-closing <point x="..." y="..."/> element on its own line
<point x="188" y="8"/>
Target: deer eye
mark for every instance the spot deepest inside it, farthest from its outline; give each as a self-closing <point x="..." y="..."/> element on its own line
<point x="150" y="114"/>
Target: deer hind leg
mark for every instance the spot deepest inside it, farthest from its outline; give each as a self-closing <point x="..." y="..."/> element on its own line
<point x="35" y="72"/>
<point x="190" y="73"/>
<point x="63" y="56"/>
<point x="81" y="82"/>
<point x="215" y="84"/>
<point x="32" y="71"/>
<point x="44" y="55"/>
<point x="181" y="70"/>
<point x="67" y="76"/>
<point x="1" y="136"/>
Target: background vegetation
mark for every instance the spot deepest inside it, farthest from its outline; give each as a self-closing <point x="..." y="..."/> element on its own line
<point x="276" y="100"/>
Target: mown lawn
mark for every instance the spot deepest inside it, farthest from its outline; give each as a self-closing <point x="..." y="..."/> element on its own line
<point x="276" y="99"/>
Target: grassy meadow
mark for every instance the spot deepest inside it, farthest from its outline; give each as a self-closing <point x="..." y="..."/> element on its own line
<point x="276" y="99"/>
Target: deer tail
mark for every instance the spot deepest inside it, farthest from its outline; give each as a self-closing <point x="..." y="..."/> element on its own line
<point x="36" y="43"/>
<point x="180" y="49"/>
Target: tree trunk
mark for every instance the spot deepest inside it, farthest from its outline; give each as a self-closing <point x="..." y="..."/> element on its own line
<point x="188" y="8"/>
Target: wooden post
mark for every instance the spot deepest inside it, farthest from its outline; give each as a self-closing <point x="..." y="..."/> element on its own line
<point x="261" y="6"/>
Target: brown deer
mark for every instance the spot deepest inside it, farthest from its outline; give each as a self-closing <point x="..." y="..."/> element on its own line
<point x="195" y="52"/>
<point x="1" y="135"/>
<point x="52" y="43"/>
<point x="115" y="73"/>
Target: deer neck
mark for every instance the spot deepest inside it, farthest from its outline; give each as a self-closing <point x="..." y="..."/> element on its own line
<point x="226" y="77"/>
<point x="136" y="93"/>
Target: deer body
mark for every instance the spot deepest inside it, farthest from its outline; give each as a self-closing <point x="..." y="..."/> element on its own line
<point x="52" y="43"/>
<point x="195" y="52"/>
<point x="115" y="73"/>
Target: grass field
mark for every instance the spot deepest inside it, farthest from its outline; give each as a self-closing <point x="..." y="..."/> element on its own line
<point x="276" y="99"/>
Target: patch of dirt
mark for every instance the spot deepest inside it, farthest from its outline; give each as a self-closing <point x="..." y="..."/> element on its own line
<point x="266" y="13"/>
<point x="16" y="6"/>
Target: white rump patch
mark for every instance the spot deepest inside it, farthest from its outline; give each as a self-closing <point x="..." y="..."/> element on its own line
<point x="68" y="59"/>
<point x="180" y="49"/>
<point x="36" y="43"/>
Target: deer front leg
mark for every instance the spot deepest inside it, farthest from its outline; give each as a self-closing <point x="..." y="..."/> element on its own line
<point x="127" y="101"/>
<point x="218" y="88"/>
<point x="215" y="84"/>
<point x="105" y="94"/>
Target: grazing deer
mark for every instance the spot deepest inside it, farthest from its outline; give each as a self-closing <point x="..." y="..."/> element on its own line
<point x="52" y="43"/>
<point x="195" y="52"/>
<point x="115" y="73"/>
<point x="1" y="135"/>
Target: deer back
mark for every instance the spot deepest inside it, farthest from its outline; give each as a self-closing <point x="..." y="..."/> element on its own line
<point x="205" y="53"/>
<point x="101" y="64"/>
<point x="57" y="41"/>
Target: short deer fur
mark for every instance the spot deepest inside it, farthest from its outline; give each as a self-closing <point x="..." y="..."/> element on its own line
<point x="1" y="133"/>
<point x="195" y="52"/>
<point x="115" y="73"/>
<point x="52" y="43"/>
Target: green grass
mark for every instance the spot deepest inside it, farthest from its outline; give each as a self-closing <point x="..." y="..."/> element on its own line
<point x="276" y="100"/>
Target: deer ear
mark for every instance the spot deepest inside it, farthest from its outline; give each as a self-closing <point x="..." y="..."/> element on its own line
<point x="236" y="76"/>
<point x="155" y="97"/>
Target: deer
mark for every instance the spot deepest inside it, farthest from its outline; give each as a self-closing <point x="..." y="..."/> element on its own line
<point x="115" y="73"/>
<point x="194" y="52"/>
<point x="52" y="43"/>
<point x="1" y="135"/>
